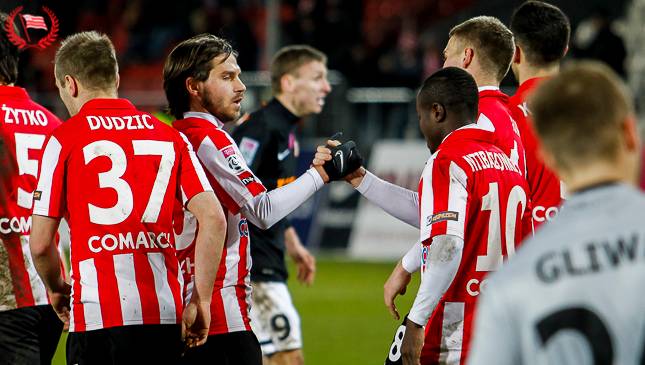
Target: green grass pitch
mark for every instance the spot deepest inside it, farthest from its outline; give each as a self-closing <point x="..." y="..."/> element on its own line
<point x="344" y="320"/>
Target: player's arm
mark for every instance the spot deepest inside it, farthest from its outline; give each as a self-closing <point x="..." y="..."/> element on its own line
<point x="443" y="262"/>
<point x="266" y="209"/>
<point x="397" y="201"/>
<point x="400" y="277"/>
<point x="493" y="326"/>
<point x="49" y="206"/>
<point x="304" y="260"/>
<point x="198" y="197"/>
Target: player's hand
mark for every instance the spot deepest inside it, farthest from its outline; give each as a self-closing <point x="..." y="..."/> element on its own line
<point x="345" y="159"/>
<point x="306" y="263"/>
<point x="356" y="177"/>
<point x="395" y="285"/>
<point x="59" y="299"/>
<point x="412" y="343"/>
<point x="195" y="323"/>
<point x="323" y="154"/>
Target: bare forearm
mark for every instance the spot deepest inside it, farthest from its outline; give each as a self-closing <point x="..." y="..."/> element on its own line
<point x="45" y="253"/>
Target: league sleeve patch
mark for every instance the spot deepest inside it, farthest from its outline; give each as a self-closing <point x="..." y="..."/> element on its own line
<point x="228" y="151"/>
<point x="442" y="216"/>
<point x="235" y="164"/>
<point x="248" y="148"/>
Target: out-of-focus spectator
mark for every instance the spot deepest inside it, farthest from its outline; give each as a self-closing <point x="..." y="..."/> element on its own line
<point x="594" y="38"/>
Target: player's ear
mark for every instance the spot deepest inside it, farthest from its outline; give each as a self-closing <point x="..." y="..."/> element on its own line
<point x="469" y="54"/>
<point x="192" y="86"/>
<point x="71" y="86"/>
<point x="518" y="55"/>
<point x="286" y="83"/>
<point x="118" y="81"/>
<point x="438" y="112"/>
<point x="630" y="134"/>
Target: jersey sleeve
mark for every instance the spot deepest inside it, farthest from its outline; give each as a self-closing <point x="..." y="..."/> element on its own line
<point x="252" y="143"/>
<point x="192" y="178"/>
<point x="444" y="197"/>
<point x="228" y="172"/>
<point x="49" y="197"/>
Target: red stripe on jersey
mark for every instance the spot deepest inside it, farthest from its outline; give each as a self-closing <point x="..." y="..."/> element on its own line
<point x="441" y="195"/>
<point x="146" y="288"/>
<point x="218" y="314"/>
<point x="242" y="273"/>
<point x="77" y="322"/>
<point x="109" y="293"/>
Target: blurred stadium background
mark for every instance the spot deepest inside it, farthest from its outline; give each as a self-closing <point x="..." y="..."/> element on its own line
<point x="379" y="51"/>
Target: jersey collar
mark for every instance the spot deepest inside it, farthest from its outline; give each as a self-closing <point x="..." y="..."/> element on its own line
<point x="207" y="116"/>
<point x="100" y="103"/>
<point x="528" y="85"/>
<point x="488" y="88"/>
<point x="14" y="92"/>
<point x="277" y="107"/>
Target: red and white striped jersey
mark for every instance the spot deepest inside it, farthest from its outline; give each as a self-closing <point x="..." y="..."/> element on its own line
<point x="24" y="126"/>
<point x="115" y="173"/>
<point x="470" y="189"/>
<point x="546" y="189"/>
<point x="494" y="112"/>
<point x="234" y="185"/>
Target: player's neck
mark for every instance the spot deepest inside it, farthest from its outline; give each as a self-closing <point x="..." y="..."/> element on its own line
<point x="485" y="80"/>
<point x="5" y="84"/>
<point x="597" y="173"/>
<point x="84" y="97"/>
<point x="287" y="102"/>
<point x="527" y="72"/>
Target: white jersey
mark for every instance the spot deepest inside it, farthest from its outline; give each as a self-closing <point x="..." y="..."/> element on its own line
<point x="573" y="293"/>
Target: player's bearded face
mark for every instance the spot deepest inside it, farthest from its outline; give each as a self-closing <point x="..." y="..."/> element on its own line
<point x="223" y="91"/>
<point x="310" y="87"/>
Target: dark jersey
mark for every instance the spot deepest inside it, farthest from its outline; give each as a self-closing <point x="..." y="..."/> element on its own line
<point x="267" y="142"/>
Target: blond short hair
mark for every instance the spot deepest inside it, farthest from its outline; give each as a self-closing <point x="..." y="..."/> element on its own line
<point x="90" y="58"/>
<point x="492" y="41"/>
<point x="578" y="114"/>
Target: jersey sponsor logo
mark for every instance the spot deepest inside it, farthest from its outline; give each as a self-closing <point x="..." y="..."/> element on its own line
<point x="243" y="228"/>
<point x="443" y="216"/>
<point x="475" y="286"/>
<point x="282" y="155"/>
<point x="131" y="122"/>
<point x="248" y="149"/>
<point x="128" y="241"/>
<point x="541" y="214"/>
<point x="228" y="151"/>
<point x="24" y="116"/>
<point x="15" y="225"/>
<point x="234" y="164"/>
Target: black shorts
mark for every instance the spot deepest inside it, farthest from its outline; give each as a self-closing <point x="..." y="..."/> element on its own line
<point x="137" y="344"/>
<point x="29" y="335"/>
<point x="236" y="348"/>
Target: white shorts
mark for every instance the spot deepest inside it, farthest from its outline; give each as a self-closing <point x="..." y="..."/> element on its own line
<point x="274" y="319"/>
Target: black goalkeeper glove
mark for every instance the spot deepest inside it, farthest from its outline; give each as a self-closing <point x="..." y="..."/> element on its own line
<point x="345" y="159"/>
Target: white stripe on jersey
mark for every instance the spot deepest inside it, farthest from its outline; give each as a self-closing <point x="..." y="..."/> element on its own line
<point x="232" y="250"/>
<point x="427" y="200"/>
<point x="48" y="165"/>
<point x="452" y="333"/>
<point x="38" y="290"/>
<point x="90" y="295"/>
<point x="201" y="175"/>
<point x="233" y="312"/>
<point x="217" y="166"/>
<point x="128" y="291"/>
<point x="457" y="199"/>
<point x="167" y="310"/>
